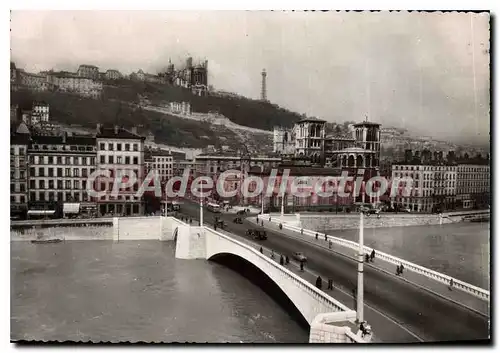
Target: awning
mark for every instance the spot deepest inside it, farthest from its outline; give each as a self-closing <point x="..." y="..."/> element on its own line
<point x="71" y="208"/>
<point x="41" y="212"/>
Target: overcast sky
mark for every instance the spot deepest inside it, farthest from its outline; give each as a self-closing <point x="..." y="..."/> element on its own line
<point x="425" y="72"/>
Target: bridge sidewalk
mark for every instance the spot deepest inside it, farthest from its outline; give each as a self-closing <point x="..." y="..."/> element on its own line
<point x="462" y="298"/>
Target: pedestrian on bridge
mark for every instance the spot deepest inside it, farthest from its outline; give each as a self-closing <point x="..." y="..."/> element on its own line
<point x="190" y="221"/>
<point x="372" y="255"/>
<point x="261" y="251"/>
<point x="287" y="260"/>
<point x="398" y="270"/>
<point x="215" y="226"/>
<point x="319" y="282"/>
<point x="316" y="236"/>
<point x="450" y="287"/>
<point x="326" y="237"/>
<point x="330" y="284"/>
<point x="330" y="244"/>
<point x="367" y="258"/>
<point x="402" y="268"/>
<point x="272" y="254"/>
<point x="301" y="266"/>
<point x="282" y="261"/>
<point x="262" y="223"/>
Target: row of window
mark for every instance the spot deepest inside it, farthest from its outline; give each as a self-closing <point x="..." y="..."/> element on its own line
<point x="58" y="172"/>
<point x="62" y="160"/>
<point x="18" y="187"/>
<point x="162" y="159"/>
<point x="20" y="151"/>
<point x="119" y="146"/>
<point x="119" y="160"/>
<point x="427" y="176"/>
<point x="64" y="148"/>
<point x="58" y="196"/>
<point x="61" y="185"/>
<point x="22" y="174"/>
<point x="162" y="166"/>
<point x="443" y="168"/>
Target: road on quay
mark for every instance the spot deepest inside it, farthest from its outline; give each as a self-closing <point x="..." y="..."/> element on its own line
<point x="422" y="315"/>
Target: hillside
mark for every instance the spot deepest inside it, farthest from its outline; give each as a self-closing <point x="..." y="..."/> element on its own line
<point x="118" y="106"/>
<point x="240" y="110"/>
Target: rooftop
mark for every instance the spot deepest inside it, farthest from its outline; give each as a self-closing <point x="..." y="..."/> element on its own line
<point x="312" y="119"/>
<point x="119" y="133"/>
<point x="366" y="123"/>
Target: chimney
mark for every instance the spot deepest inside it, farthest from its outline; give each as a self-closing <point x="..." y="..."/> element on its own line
<point x="64" y="135"/>
<point x="116" y="129"/>
<point x="134" y="130"/>
<point x="98" y="128"/>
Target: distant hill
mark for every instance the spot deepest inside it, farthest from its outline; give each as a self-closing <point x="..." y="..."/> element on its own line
<point x="240" y="110"/>
<point x="114" y="109"/>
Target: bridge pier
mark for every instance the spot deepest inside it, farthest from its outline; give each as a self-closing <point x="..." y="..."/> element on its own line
<point x="335" y="328"/>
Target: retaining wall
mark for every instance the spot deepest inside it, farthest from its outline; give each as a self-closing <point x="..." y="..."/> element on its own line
<point x="122" y="228"/>
<point x="329" y="222"/>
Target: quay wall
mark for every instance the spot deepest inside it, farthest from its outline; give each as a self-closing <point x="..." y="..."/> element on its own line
<point x="321" y="222"/>
<point x="120" y="228"/>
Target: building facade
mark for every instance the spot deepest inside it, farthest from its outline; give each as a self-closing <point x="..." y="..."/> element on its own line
<point x="71" y="83"/>
<point x="19" y="142"/>
<point x="88" y="71"/>
<point x="40" y="113"/>
<point x="434" y="187"/>
<point x="473" y="186"/>
<point x="283" y="141"/>
<point x="59" y="167"/>
<point x="120" y="151"/>
<point x="112" y="74"/>
<point x="310" y="139"/>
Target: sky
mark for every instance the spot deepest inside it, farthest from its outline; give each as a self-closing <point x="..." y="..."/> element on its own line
<point x="426" y="72"/>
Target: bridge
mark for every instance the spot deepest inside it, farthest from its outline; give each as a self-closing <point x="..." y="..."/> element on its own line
<point x="410" y="308"/>
<point x="330" y="321"/>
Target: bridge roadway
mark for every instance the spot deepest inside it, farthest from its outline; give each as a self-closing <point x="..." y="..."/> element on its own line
<point x="398" y="311"/>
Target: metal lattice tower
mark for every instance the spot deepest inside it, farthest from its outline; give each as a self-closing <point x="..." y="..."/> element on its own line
<point x="263" y="92"/>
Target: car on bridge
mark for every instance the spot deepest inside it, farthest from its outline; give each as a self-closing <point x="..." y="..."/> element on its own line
<point x="219" y="223"/>
<point x="299" y="256"/>
<point x="257" y="234"/>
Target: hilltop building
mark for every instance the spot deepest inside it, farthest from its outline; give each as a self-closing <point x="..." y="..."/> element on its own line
<point x="88" y="71"/>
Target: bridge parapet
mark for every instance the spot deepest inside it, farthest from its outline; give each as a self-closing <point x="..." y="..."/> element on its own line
<point x="434" y="275"/>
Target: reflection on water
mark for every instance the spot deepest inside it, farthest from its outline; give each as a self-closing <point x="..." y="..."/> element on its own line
<point x="460" y="250"/>
<point x="136" y="291"/>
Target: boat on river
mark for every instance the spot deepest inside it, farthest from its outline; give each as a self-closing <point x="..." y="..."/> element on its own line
<point x="46" y="241"/>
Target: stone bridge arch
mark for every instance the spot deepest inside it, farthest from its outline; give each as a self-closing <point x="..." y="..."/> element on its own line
<point x="306" y="298"/>
<point x="258" y="277"/>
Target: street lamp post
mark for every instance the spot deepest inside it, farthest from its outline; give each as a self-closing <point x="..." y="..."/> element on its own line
<point x="282" y="206"/>
<point x="201" y="211"/>
<point x="359" y="311"/>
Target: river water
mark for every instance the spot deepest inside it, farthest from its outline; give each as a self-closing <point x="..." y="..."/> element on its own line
<point x="460" y="250"/>
<point x="137" y="291"/>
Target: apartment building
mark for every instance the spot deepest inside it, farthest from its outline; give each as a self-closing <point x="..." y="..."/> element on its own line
<point x="112" y="75"/>
<point x="59" y="167"/>
<point x="88" y="71"/>
<point x="473" y="185"/>
<point x="40" y="113"/>
<point x="434" y="187"/>
<point x="19" y="142"/>
<point x="120" y="151"/>
<point x="72" y="83"/>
